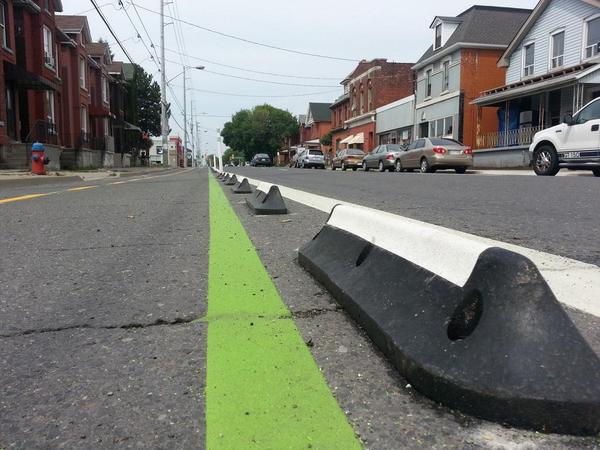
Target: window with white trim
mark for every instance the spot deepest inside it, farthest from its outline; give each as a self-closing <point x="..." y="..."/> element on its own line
<point x="50" y="111"/>
<point x="428" y="82"/>
<point x="592" y="41"/>
<point x="557" y="50"/>
<point x="4" y="24"/>
<point x="48" y="48"/>
<point x="82" y="73"/>
<point x="441" y="127"/>
<point x="438" y="37"/>
<point x="84" y="118"/>
<point x="104" y="89"/>
<point x="446" y="70"/>
<point x="528" y="59"/>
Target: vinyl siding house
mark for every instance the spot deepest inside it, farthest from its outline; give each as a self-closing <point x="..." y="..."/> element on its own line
<point x="460" y="64"/>
<point x="552" y="68"/>
<point x="395" y="121"/>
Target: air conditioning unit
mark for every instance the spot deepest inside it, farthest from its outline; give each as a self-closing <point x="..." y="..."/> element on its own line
<point x="49" y="60"/>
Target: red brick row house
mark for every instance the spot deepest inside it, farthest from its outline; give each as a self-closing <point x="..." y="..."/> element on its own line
<point x="371" y="84"/>
<point x="55" y="87"/>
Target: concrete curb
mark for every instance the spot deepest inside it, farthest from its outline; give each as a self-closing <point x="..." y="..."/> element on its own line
<point x="473" y="327"/>
<point x="267" y="200"/>
<point x="41" y="181"/>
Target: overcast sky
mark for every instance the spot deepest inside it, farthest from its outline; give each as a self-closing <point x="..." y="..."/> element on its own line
<point x="392" y="29"/>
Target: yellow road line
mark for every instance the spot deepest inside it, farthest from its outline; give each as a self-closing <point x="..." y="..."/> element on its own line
<point x="82" y="188"/>
<point x="23" y="197"/>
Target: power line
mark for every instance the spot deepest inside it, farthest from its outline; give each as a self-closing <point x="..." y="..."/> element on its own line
<point x="137" y="31"/>
<point x="253" y="71"/>
<point x="145" y="30"/>
<point x="101" y="14"/>
<point x="263" y="96"/>
<point x="248" y="41"/>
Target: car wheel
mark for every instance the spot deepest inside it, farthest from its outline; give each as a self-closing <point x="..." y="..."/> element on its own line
<point x="398" y="166"/>
<point x="381" y="166"/>
<point x="365" y="167"/>
<point x="460" y="170"/>
<point x="343" y="166"/>
<point x="596" y="172"/>
<point x="425" y="166"/>
<point x="545" y="161"/>
<point x="332" y="167"/>
<point x="354" y="169"/>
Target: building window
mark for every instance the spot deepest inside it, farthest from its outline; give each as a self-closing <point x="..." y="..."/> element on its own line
<point x="557" y="48"/>
<point x="592" y="42"/>
<point x="439" y="128"/>
<point x="82" y="73"/>
<point x="446" y="75"/>
<point x="370" y="97"/>
<point x="48" y="48"/>
<point x="428" y="81"/>
<point x="438" y="36"/>
<point x="47" y="5"/>
<point x="4" y="25"/>
<point x="528" y="59"/>
<point x="104" y="90"/>
<point x="84" y="118"/>
<point x="50" y="114"/>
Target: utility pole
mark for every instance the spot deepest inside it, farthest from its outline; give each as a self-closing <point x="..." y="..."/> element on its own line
<point x="185" y="141"/>
<point x="163" y="85"/>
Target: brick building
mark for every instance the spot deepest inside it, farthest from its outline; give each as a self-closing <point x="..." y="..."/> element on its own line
<point x="371" y="84"/>
<point x="316" y="124"/>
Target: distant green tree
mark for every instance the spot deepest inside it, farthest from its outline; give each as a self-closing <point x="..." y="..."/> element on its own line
<point x="263" y="129"/>
<point x="327" y="139"/>
<point x="142" y="104"/>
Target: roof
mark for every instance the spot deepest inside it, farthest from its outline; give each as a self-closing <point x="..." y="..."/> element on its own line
<point x="341" y="99"/>
<point x="528" y="25"/>
<point x="538" y="84"/>
<point x="73" y="24"/>
<point x="320" y="111"/>
<point x="96" y="48"/>
<point x="490" y="26"/>
<point x="115" y="68"/>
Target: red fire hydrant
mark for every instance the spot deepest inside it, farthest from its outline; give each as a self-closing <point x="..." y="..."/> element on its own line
<point x="38" y="159"/>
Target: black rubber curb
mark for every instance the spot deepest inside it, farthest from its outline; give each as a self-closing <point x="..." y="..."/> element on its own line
<point x="267" y="203"/>
<point x="501" y="348"/>
<point x="232" y="181"/>
<point x="41" y="181"/>
<point x="242" y="188"/>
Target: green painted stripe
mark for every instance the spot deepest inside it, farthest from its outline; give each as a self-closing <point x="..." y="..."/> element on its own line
<point x="263" y="388"/>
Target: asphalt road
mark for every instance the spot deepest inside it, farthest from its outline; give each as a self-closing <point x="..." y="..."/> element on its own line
<point x="99" y="339"/>
<point x="557" y="215"/>
<point x="99" y="289"/>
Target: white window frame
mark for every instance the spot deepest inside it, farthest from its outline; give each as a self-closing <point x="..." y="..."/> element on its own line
<point x="104" y="89"/>
<point x="50" y="106"/>
<point x="446" y="75"/>
<point x="3" y="24"/>
<point x="585" y="38"/>
<point x="527" y="71"/>
<point x="83" y="118"/>
<point x="428" y="82"/>
<point x="560" y="59"/>
<point x="48" y="48"/>
<point x="82" y="73"/>
<point x="441" y="28"/>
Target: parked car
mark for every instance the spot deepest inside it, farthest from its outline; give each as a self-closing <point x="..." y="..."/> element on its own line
<point x="296" y="156"/>
<point x="348" y="159"/>
<point x="311" y="158"/>
<point x="383" y="157"/>
<point x="431" y="154"/>
<point x="574" y="144"/>
<point x="261" y="159"/>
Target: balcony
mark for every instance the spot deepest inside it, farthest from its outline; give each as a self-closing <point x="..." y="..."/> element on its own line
<point x="44" y="132"/>
<point x="511" y="138"/>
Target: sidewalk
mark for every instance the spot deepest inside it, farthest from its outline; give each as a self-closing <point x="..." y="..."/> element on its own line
<point x="22" y="178"/>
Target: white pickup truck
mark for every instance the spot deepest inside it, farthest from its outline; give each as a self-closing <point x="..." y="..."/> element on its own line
<point x="574" y="144"/>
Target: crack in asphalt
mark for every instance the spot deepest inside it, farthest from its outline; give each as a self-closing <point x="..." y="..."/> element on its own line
<point x="128" y="326"/>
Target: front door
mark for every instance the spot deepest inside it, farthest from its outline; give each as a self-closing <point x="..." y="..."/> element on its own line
<point x="584" y="134"/>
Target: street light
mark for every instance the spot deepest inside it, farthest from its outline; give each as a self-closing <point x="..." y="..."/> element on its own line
<point x="185" y="68"/>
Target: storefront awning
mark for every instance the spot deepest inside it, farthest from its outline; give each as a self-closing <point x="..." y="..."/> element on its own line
<point x="347" y="140"/>
<point x="358" y="139"/>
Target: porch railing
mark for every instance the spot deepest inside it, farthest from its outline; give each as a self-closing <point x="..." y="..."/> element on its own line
<point x="44" y="132"/>
<point x="510" y="138"/>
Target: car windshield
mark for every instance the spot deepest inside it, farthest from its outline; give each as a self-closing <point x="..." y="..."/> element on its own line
<point x="262" y="155"/>
<point x="442" y="141"/>
<point x="355" y="153"/>
<point x="393" y="148"/>
<point x="316" y="152"/>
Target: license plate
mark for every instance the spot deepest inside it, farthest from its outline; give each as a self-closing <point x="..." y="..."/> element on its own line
<point x="570" y="155"/>
<point x="455" y="152"/>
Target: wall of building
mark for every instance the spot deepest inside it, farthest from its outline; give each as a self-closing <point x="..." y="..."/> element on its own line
<point x="437" y="78"/>
<point x="567" y="14"/>
<point x="399" y="114"/>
